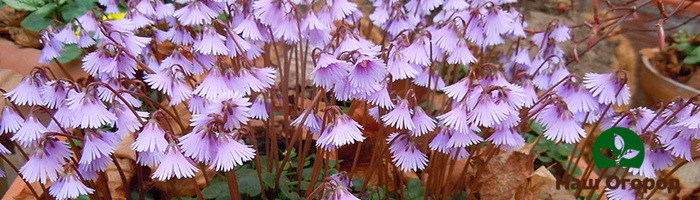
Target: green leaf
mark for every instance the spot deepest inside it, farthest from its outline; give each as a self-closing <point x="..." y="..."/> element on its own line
<point x="214" y="190"/>
<point x="77" y="8"/>
<point x="565" y="149"/>
<point x="537" y="128"/>
<point x="577" y="173"/>
<point x="357" y="184"/>
<point x="29" y="5"/>
<point x="39" y="19"/>
<point x="224" y="197"/>
<point x="70" y="53"/>
<point x="268" y="179"/>
<point x="544" y="159"/>
<point x="414" y="182"/>
<point x="135" y="195"/>
<point x="693" y="57"/>
<point x="86" y="197"/>
<point x="248" y="182"/>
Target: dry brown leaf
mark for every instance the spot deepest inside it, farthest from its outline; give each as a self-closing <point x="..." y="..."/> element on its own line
<point x="503" y="175"/>
<point x="542" y="185"/>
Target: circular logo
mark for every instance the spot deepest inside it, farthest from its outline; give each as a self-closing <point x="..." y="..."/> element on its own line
<point x="618" y="146"/>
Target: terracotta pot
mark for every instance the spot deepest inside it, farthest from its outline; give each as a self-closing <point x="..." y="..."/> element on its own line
<point x="691" y="10"/>
<point x="659" y="87"/>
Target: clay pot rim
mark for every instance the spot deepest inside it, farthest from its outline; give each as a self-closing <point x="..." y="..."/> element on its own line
<point x="652" y="69"/>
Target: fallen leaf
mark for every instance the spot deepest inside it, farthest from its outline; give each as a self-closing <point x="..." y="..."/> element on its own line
<point x="542" y="185"/>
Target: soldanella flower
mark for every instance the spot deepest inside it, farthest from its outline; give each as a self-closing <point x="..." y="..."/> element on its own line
<point x="508" y="138"/>
<point x="42" y="166"/>
<point x="560" y="124"/>
<point x="199" y="144"/>
<point x="620" y="193"/>
<point x="98" y="143"/>
<point x="196" y="13"/>
<point x="10" y="121"/>
<point x="344" y="131"/>
<point x="211" y="43"/>
<point x="30" y="133"/>
<point x="27" y="92"/>
<point x="260" y="108"/>
<point x="151" y="138"/>
<point x="69" y="186"/>
<point x="463" y="139"/>
<point x="405" y="154"/>
<point x="423" y="122"/>
<point x="400" y="116"/>
<point x="609" y="88"/>
<point x="381" y="98"/>
<point x="329" y="71"/>
<point x="456" y="119"/>
<point x="89" y="111"/>
<point x="312" y="122"/>
<point x="174" y="165"/>
<point x="231" y="153"/>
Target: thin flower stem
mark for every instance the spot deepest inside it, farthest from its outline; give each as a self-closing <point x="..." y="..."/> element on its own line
<point x="122" y="176"/>
<point x="297" y="134"/>
<point x="29" y="186"/>
<point x="63" y="69"/>
<point x="197" y="189"/>
<point x="233" y="185"/>
<point x="258" y="163"/>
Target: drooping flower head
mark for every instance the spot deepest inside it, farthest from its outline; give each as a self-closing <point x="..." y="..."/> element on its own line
<point x="174" y="165"/>
<point x="69" y="186"/>
<point x="609" y="88"/>
<point x="343" y="131"/>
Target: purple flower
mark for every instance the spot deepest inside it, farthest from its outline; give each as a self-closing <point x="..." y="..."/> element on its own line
<point x="127" y="122"/>
<point x="620" y="194"/>
<point x="89" y="111"/>
<point x="231" y="153"/>
<point x="680" y="147"/>
<point x="341" y="8"/>
<point x="174" y="165"/>
<point x="368" y="71"/>
<point x="609" y="88"/>
<point x="578" y="98"/>
<point x="458" y="90"/>
<point x="10" y="121"/>
<point x="429" y="80"/>
<point x="341" y="193"/>
<point x="329" y="71"/>
<point x="405" y="153"/>
<point x="439" y="142"/>
<point x="423" y="123"/>
<point x="248" y="28"/>
<point x="163" y="10"/>
<point x="507" y="137"/>
<point x="561" y="33"/>
<point x="180" y="36"/>
<point x="660" y="159"/>
<point x="53" y="48"/>
<point x="42" y="166"/>
<point x="215" y="83"/>
<point x="381" y="98"/>
<point x="26" y="92"/>
<point x="211" y="43"/>
<point x="150" y="159"/>
<point x="461" y="55"/>
<point x="257" y="79"/>
<point x="456" y="4"/>
<point x="464" y="139"/>
<point x="196" y="13"/>
<point x="316" y="31"/>
<point x="400" y="116"/>
<point x="199" y="145"/>
<point x="418" y="52"/>
<point x="54" y="92"/>
<point x="489" y="111"/>
<point x="457" y="118"/>
<point x="287" y="30"/>
<point x="69" y="186"/>
<point x="85" y="41"/>
<point x="146" y="7"/>
<point x="98" y="143"/>
<point x="67" y="35"/>
<point x="560" y="123"/>
<point x="344" y="131"/>
<point x="88" y="22"/>
<point x="647" y="168"/>
<point x="312" y="122"/>
<point x="399" y="68"/>
<point x="259" y="109"/>
<point x="32" y="130"/>
<point x="89" y="171"/>
<point x="151" y="138"/>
